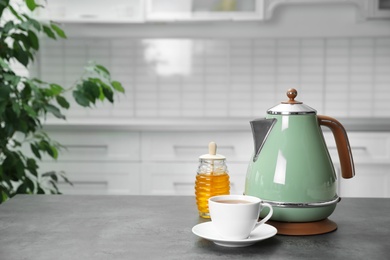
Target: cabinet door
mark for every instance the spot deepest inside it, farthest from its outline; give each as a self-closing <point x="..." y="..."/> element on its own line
<point x="92" y="11"/>
<point x="86" y="145"/>
<point x="99" y="162"/>
<point x="179" y="178"/>
<point x="204" y="10"/>
<point x="171" y="159"/>
<point x="378" y="9"/>
<point x="188" y="146"/>
<point x="371" y="180"/>
<point x="371" y="154"/>
<point x="98" y="178"/>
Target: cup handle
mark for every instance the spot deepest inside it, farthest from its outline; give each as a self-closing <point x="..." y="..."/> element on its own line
<point x="271" y="211"/>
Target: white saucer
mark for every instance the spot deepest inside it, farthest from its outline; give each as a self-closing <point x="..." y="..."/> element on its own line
<point x="206" y="230"/>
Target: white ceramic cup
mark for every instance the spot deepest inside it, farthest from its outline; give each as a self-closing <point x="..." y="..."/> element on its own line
<point x="236" y="220"/>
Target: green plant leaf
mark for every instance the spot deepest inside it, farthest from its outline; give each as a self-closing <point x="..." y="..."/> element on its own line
<point x="5" y="92"/>
<point x="35" y="150"/>
<point x="108" y="94"/>
<point x="48" y="174"/>
<point x="31" y="4"/>
<point x="37" y="25"/>
<point x="22" y="189"/>
<point x="30" y="111"/>
<point x="15" y="13"/>
<point x="20" y="54"/>
<point x="30" y="186"/>
<point x="118" y="86"/>
<point x="55" y="111"/>
<point x="48" y="32"/>
<point x="63" y="176"/>
<point x="4" y="64"/>
<point x="102" y="70"/>
<point x="49" y="149"/>
<point x="54" y="177"/>
<point x="56" y="89"/>
<point x="58" y="30"/>
<point x="8" y="26"/>
<point x="80" y="98"/>
<point x="32" y="166"/>
<point x="16" y="108"/>
<point x="26" y="92"/>
<point x="12" y="79"/>
<point x="40" y="190"/>
<point x="34" y="42"/>
<point x="62" y="102"/>
<point x="92" y="90"/>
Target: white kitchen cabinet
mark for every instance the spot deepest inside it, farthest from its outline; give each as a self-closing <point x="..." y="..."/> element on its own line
<point x="93" y="178"/>
<point x="378" y="9"/>
<point x="170" y="159"/>
<point x="204" y="10"/>
<point x="187" y="146"/>
<point x="146" y="11"/>
<point x="92" y="11"/>
<point x="371" y="154"/>
<point x="179" y="178"/>
<point x="99" y="162"/>
<point x="165" y="162"/>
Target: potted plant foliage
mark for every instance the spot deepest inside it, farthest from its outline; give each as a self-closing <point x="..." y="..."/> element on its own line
<point x="25" y="101"/>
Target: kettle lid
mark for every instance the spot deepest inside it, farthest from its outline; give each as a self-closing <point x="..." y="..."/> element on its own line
<point x="291" y="106"/>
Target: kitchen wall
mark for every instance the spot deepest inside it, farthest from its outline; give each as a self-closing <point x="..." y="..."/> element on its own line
<point x="190" y="83"/>
<point x="339" y="64"/>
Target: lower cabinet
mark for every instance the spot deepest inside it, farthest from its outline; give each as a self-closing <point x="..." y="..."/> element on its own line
<point x="371" y="180"/>
<point x="108" y="178"/>
<point x="165" y="163"/>
<point x="179" y="178"/>
<point x="170" y="159"/>
<point x="97" y="162"/>
<point x="371" y="155"/>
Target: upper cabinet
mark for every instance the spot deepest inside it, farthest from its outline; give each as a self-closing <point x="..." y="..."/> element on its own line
<point x="144" y="11"/>
<point x="92" y="11"/>
<point x="378" y="9"/>
<point x="204" y="10"/>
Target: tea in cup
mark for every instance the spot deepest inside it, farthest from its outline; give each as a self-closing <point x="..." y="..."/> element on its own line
<point x="236" y="216"/>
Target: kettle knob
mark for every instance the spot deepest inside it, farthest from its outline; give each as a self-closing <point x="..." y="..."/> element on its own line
<point x="292" y="93"/>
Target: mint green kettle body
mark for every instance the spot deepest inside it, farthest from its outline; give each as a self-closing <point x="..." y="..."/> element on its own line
<point x="291" y="167"/>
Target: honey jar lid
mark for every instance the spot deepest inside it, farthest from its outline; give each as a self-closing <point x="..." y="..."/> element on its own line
<point x="212" y="155"/>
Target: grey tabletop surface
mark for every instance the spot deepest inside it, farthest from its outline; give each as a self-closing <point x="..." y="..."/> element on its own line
<point x="159" y="227"/>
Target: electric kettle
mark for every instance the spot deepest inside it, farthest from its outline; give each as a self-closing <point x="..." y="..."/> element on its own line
<point x="291" y="168"/>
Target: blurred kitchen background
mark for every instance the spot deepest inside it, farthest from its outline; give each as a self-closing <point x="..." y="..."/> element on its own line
<point x="197" y="71"/>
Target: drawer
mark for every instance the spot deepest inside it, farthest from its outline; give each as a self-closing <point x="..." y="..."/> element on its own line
<point x="367" y="147"/>
<point x="179" y="178"/>
<point x="188" y="146"/>
<point x="84" y="146"/>
<point x="98" y="178"/>
<point x="370" y="181"/>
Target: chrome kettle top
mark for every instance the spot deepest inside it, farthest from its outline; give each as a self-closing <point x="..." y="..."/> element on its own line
<point x="291" y="106"/>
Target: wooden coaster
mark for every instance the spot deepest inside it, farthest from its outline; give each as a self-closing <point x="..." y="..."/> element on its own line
<point x="304" y="228"/>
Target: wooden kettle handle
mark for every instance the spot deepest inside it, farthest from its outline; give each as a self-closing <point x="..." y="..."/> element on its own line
<point x="342" y="143"/>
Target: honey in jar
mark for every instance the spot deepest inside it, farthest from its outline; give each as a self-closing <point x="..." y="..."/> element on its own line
<point x="212" y="179"/>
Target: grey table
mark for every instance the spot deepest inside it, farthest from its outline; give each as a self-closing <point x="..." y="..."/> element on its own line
<point x="159" y="227"/>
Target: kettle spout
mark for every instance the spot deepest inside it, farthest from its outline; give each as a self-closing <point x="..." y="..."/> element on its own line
<point x="260" y="130"/>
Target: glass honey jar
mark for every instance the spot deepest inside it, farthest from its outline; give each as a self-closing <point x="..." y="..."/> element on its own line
<point x="212" y="179"/>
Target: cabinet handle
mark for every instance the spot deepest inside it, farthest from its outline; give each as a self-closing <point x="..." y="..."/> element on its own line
<point x="354" y="148"/>
<point x="178" y="183"/>
<point x="95" y="148"/>
<point x="202" y="149"/>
